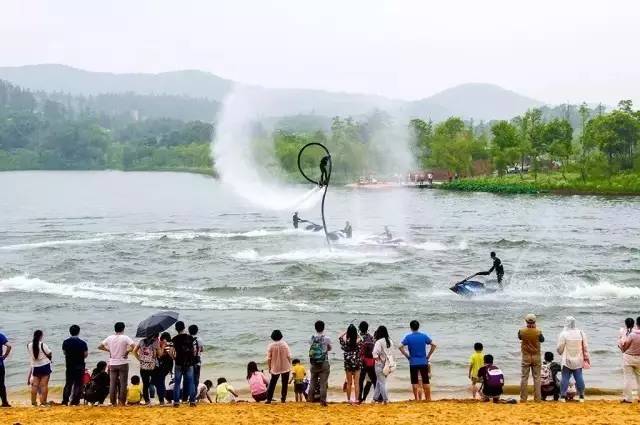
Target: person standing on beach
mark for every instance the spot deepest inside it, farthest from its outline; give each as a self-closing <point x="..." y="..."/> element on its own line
<point x="40" y="368"/>
<point x="147" y="352"/>
<point x="279" y="363"/>
<point x="184" y="357"/>
<point x="384" y="364"/>
<point x="164" y="366"/>
<point x="629" y="325"/>
<point x="351" y="343"/>
<point x="75" y="352"/>
<point x="530" y="339"/>
<point x="198" y="349"/>
<point x="5" y="349"/>
<point x="631" y="363"/>
<point x="118" y="346"/>
<point x="319" y="359"/>
<point x="414" y="348"/>
<point x="572" y="346"/>
<point x="368" y="362"/>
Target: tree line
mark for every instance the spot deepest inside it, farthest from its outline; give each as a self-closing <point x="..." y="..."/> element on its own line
<point x="37" y="132"/>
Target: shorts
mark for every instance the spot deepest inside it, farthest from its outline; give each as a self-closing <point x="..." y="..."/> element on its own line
<point x="424" y="373"/>
<point x="41" y="371"/>
<point x="299" y="387"/>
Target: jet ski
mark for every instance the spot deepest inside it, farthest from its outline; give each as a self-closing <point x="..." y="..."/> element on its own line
<point x="312" y="227"/>
<point x="471" y="288"/>
<point x="381" y="240"/>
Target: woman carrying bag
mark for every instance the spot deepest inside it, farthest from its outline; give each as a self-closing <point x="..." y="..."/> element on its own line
<point x="572" y="346"/>
<point x="385" y="363"/>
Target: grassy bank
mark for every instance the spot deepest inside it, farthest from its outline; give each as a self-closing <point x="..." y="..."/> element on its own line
<point x="622" y="184"/>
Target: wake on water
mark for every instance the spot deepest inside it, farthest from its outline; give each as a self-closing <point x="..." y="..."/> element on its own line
<point x="235" y="160"/>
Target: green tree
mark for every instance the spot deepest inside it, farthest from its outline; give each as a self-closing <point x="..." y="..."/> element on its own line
<point x="505" y="144"/>
<point x="558" y="136"/>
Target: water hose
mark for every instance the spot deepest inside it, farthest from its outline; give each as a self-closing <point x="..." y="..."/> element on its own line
<point x="318" y="183"/>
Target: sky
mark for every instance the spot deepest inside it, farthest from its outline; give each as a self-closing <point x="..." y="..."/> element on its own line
<point x="555" y="51"/>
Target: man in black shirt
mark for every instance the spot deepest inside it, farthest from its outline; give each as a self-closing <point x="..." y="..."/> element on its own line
<point x="75" y="352"/>
<point x="497" y="266"/>
<point x="184" y="355"/>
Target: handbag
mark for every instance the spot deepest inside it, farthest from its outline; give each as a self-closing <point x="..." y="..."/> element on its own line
<point x="389" y="365"/>
<point x="586" y="362"/>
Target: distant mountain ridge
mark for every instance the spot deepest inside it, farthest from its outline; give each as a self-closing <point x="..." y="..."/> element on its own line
<point x="477" y="101"/>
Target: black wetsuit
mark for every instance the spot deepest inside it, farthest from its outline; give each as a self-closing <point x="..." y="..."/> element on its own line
<point x="347" y="231"/>
<point x="323" y="170"/>
<point x="497" y="266"/>
<point x="296" y="220"/>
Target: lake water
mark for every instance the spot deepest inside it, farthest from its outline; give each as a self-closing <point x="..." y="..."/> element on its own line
<point x="96" y="247"/>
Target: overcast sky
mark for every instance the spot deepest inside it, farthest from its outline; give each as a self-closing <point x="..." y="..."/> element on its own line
<point x="555" y="51"/>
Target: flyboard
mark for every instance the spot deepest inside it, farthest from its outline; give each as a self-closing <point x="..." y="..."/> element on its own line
<point x="321" y="184"/>
<point x="471" y="288"/>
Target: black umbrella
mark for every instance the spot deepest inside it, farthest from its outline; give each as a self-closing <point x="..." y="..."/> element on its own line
<point x="156" y="323"/>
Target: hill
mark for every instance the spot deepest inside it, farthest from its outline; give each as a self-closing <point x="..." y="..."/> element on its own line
<point x="477" y="101"/>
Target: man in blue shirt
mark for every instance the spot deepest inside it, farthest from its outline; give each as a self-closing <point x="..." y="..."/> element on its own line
<point x="4" y="353"/>
<point x="414" y="348"/>
<point x="75" y="351"/>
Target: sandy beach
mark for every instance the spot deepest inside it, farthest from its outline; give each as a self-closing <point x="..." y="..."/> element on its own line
<point x="440" y="412"/>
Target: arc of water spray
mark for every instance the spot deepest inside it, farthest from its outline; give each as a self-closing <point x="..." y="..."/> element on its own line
<point x="326" y="182"/>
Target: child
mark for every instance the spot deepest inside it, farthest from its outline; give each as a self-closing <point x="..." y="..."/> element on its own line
<point x="203" y="391"/>
<point x="492" y="380"/>
<point x="298" y="373"/>
<point x="572" y="391"/>
<point x="225" y="392"/>
<point x="134" y="391"/>
<point x="476" y="361"/>
<point x="549" y="377"/>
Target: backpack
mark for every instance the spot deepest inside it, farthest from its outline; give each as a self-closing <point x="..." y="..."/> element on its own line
<point x="494" y="377"/>
<point x="366" y="352"/>
<point x="184" y="350"/>
<point x="546" y="377"/>
<point x="146" y="353"/>
<point x="317" y="351"/>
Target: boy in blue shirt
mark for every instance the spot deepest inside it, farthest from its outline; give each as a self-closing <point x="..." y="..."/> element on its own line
<point x="414" y="348"/>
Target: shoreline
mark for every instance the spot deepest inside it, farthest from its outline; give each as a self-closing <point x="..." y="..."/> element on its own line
<point x="441" y="412"/>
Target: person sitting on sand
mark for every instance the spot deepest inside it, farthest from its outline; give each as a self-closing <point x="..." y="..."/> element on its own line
<point x="549" y="385"/>
<point x="298" y="375"/>
<point x="476" y="361"/>
<point x="257" y="382"/>
<point x="225" y="392"/>
<point x="134" y="391"/>
<point x="203" y="391"/>
<point x="98" y="388"/>
<point x="492" y="380"/>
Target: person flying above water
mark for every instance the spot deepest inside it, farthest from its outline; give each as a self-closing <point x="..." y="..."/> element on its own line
<point x="347" y="230"/>
<point x="324" y="176"/>
<point x="497" y="266"/>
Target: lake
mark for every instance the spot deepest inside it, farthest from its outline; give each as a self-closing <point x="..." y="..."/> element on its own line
<point x="93" y="248"/>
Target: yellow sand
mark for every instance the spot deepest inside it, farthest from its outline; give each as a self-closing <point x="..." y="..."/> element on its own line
<point x="440" y="412"/>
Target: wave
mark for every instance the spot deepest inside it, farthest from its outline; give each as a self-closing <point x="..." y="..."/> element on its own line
<point x="129" y="293"/>
<point x="320" y="255"/>
<point x="53" y="243"/>
<point x="439" y="246"/>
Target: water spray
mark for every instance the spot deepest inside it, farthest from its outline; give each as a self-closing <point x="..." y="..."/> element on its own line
<point x="321" y="182"/>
